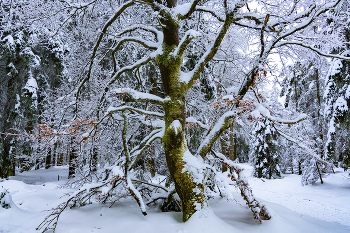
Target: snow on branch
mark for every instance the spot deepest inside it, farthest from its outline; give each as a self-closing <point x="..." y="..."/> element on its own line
<point x="260" y="110"/>
<point x="144" y="43"/>
<point x="223" y="123"/>
<point x="141" y="62"/>
<point x="280" y="44"/>
<point x="259" y="210"/>
<point x="117" y="74"/>
<point x="205" y="9"/>
<point x="190" y="34"/>
<point x="293" y="18"/>
<point x="111" y="20"/>
<point x="79" y="5"/>
<point x="151" y="184"/>
<point x="193" y="75"/>
<point x="185" y="10"/>
<point x="158" y="34"/>
<point x="136" y="194"/>
<point x="192" y="120"/>
<point x="112" y="110"/>
<point x="136" y="152"/>
<point x="305" y="148"/>
<point x="137" y="96"/>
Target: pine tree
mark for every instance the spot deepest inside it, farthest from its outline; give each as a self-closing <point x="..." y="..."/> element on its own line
<point x="265" y="152"/>
<point x="337" y="95"/>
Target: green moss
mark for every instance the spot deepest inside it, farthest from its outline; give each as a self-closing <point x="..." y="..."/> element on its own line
<point x="167" y="58"/>
<point x="168" y="16"/>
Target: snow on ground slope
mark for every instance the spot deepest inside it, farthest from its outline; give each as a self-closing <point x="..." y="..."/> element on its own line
<point x="294" y="209"/>
<point x="329" y="201"/>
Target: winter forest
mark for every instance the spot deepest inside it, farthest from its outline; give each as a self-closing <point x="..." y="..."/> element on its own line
<point x="173" y="109"/>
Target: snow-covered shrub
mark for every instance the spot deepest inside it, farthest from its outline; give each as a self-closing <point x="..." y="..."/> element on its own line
<point x="5" y="199"/>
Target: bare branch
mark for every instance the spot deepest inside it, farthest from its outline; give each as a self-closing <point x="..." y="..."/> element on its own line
<point x="204" y="9"/>
<point x="194" y="74"/>
<point x="104" y="30"/>
<point x="146" y="142"/>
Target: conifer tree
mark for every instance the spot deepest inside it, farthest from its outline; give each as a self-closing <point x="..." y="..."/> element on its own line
<point x="266" y="157"/>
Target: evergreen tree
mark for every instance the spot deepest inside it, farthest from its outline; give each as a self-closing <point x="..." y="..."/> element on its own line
<point x="337" y="95"/>
<point x="266" y="156"/>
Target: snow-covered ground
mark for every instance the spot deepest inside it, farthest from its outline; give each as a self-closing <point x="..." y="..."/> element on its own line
<point x="294" y="208"/>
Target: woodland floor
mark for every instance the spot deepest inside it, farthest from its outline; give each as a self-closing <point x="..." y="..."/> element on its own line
<point x="319" y="208"/>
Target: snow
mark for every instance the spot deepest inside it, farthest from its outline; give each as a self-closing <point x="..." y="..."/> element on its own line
<point x="10" y="42"/>
<point x="347" y="93"/>
<point x="32" y="86"/>
<point x="233" y="90"/>
<point x="18" y="101"/>
<point x="295" y="209"/>
<point x="335" y="67"/>
<point x="193" y="120"/>
<point x="138" y="95"/>
<point x="341" y="104"/>
<point x="182" y="9"/>
<point x="117" y="171"/>
<point x="261" y="110"/>
<point x="186" y="76"/>
<point x="195" y="166"/>
<point x="176" y="125"/>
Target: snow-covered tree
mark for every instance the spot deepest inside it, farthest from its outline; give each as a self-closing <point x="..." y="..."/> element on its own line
<point x="113" y="87"/>
<point x="31" y="66"/>
<point x="337" y="95"/>
<point x="266" y="156"/>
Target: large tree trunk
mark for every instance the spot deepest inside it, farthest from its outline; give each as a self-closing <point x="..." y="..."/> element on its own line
<point x="175" y="145"/>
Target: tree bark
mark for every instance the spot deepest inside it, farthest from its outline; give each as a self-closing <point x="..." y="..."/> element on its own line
<point x="72" y="158"/>
<point x="191" y="193"/>
<point x="48" y="158"/>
